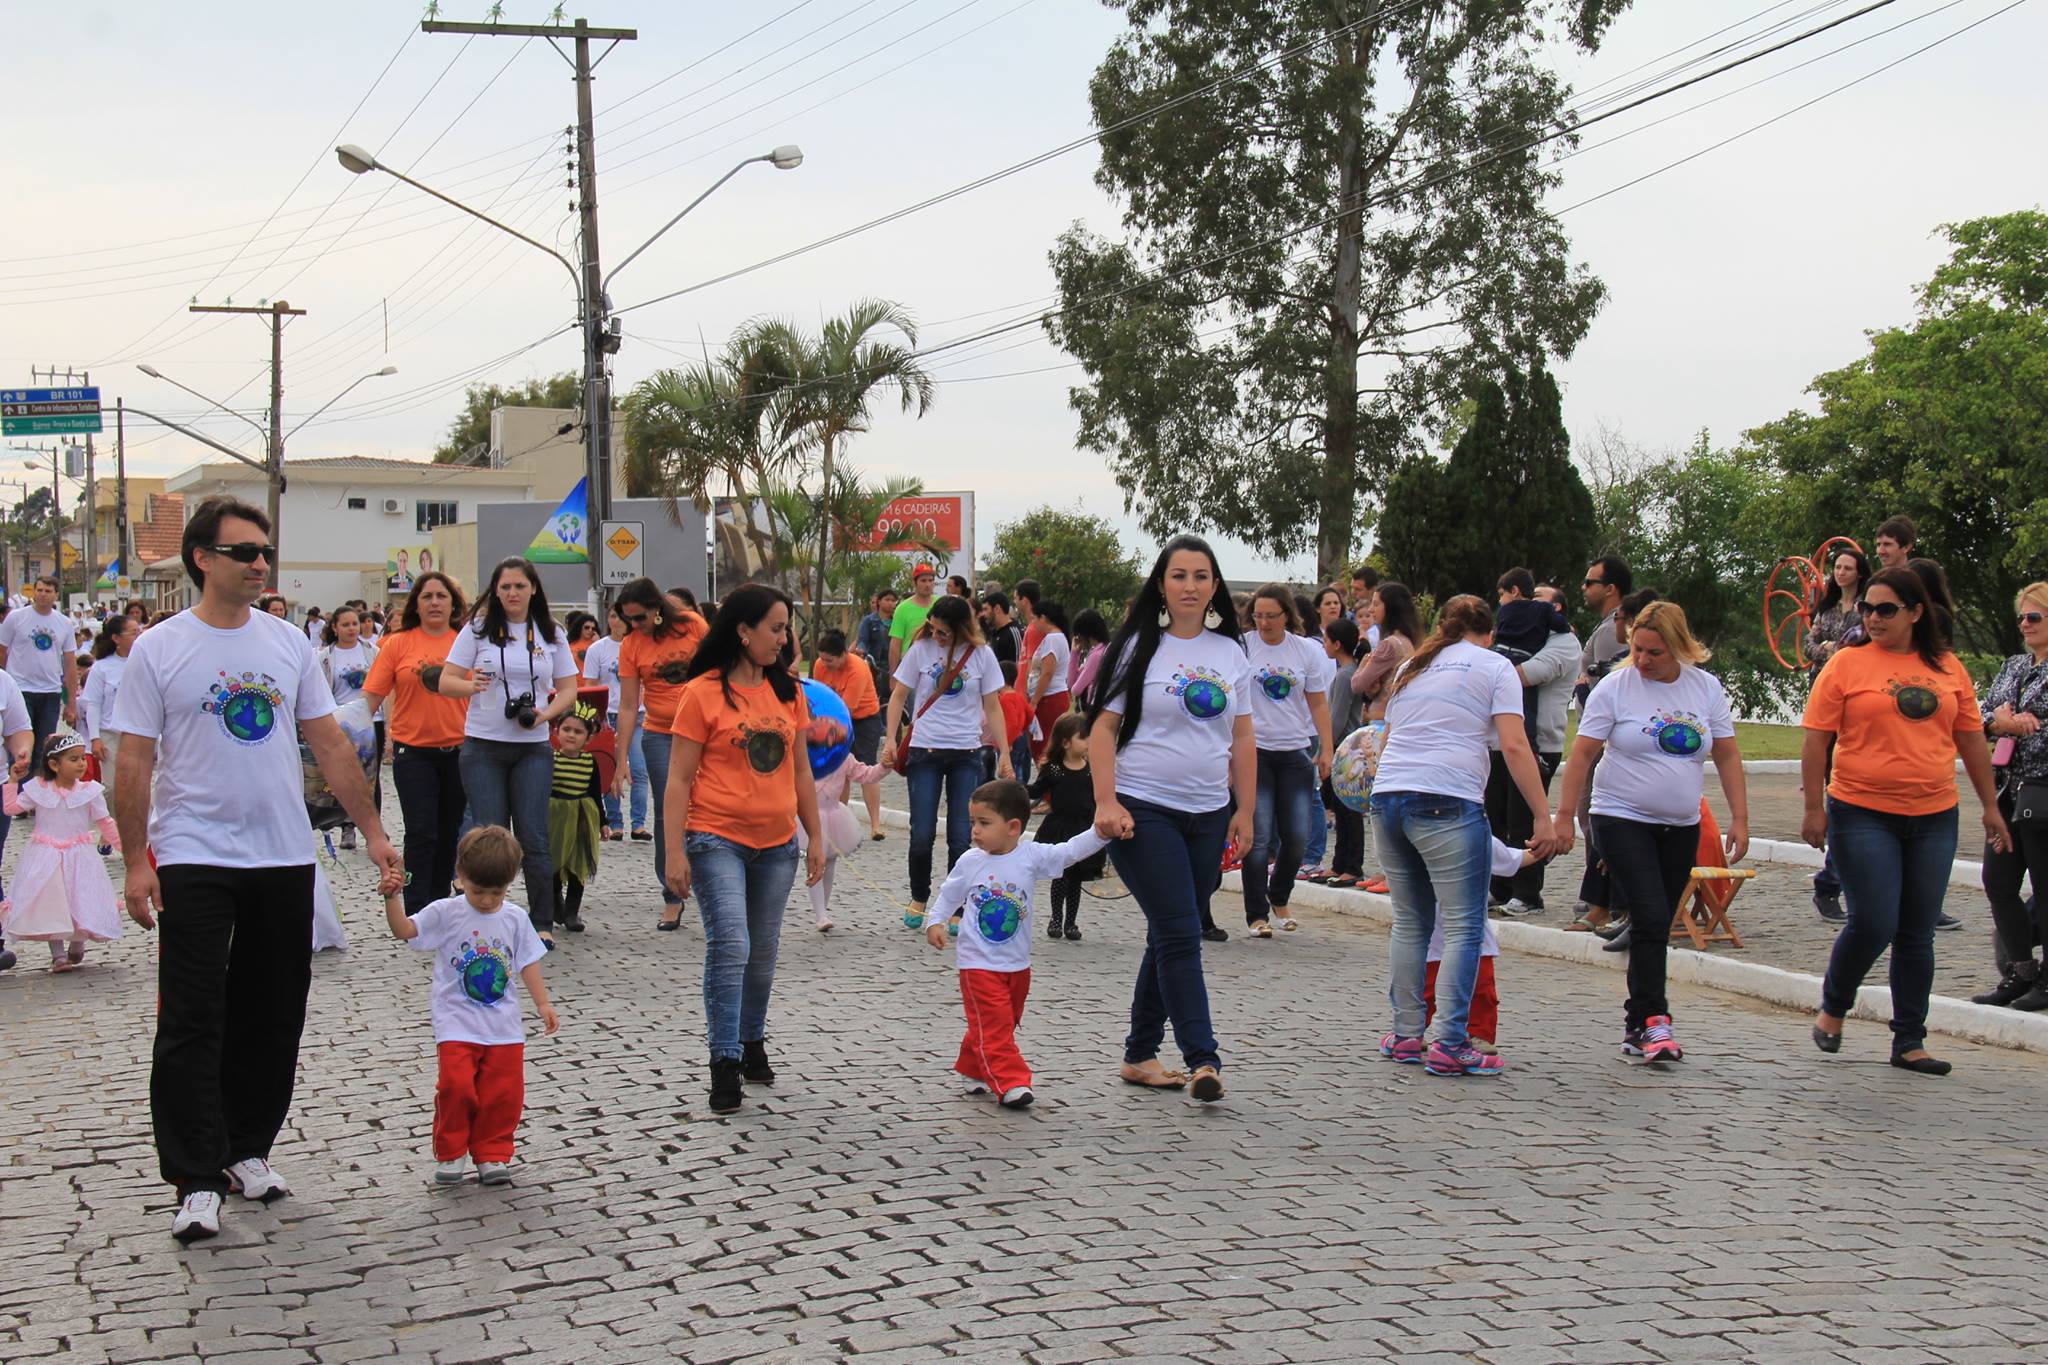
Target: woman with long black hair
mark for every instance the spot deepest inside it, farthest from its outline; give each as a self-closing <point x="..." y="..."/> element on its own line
<point x="663" y="631"/>
<point x="513" y="665"/>
<point x="1169" y="744"/>
<point x="1045" y="674"/>
<point x="738" y="786"/>
<point x="1835" y="620"/>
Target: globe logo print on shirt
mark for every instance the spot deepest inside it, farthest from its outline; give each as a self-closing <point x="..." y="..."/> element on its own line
<point x="42" y="638"/>
<point x="959" y="683"/>
<point x="248" y="705"/>
<point x="1915" y="700"/>
<point x="766" y="747"/>
<point x="998" y="910"/>
<point x="674" y="672"/>
<point x="1203" y="693"/>
<point x="1677" y="733"/>
<point x="485" y="970"/>
<point x="1276" y="683"/>
<point x="354" y="678"/>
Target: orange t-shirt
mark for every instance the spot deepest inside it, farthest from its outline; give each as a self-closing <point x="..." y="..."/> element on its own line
<point x="417" y="715"/>
<point x="854" y="682"/>
<point x="1896" y="724"/>
<point x="660" y="665"/>
<point x="746" y="782"/>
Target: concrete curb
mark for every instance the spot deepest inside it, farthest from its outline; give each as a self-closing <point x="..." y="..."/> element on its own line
<point x="1963" y="873"/>
<point x="1787" y="765"/>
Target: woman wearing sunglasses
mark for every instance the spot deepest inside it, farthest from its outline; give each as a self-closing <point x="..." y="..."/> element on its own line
<point x="662" y="635"/>
<point x="2016" y="717"/>
<point x="1898" y="708"/>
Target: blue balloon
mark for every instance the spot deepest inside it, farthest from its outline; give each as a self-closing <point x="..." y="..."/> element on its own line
<point x="825" y="704"/>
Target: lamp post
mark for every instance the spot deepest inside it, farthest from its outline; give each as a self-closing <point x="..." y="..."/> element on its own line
<point x="593" y="309"/>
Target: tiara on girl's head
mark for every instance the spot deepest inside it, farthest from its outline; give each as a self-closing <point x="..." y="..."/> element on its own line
<point x="59" y="743"/>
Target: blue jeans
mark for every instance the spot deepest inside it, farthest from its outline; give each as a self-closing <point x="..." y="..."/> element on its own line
<point x="1435" y="854"/>
<point x="507" y="784"/>
<point x="1894" y="871"/>
<point x="1171" y="862"/>
<point x="637" y="762"/>
<point x="654" y="750"/>
<point x="741" y="894"/>
<point x="1280" y="830"/>
<point x="960" y="771"/>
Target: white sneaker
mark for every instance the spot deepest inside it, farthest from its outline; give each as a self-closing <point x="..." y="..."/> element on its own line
<point x="1019" y="1097"/>
<point x="493" y="1173"/>
<point x="824" y="924"/>
<point x="972" y="1087"/>
<point x="253" y="1179"/>
<point x="198" y="1217"/>
<point x="451" y="1172"/>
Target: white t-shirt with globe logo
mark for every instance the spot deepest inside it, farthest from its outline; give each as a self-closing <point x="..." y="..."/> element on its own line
<point x="954" y="720"/>
<point x="996" y="891"/>
<point x="1283" y="676"/>
<point x="1194" y="692"/>
<point x="1658" y="736"/>
<point x="224" y="708"/>
<point x="36" y="645"/>
<point x="477" y="962"/>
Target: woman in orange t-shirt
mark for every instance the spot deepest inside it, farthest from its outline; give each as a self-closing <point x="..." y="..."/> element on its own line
<point x="1898" y="708"/>
<point x="740" y="783"/>
<point x="426" y="733"/>
<point x="662" y="635"/>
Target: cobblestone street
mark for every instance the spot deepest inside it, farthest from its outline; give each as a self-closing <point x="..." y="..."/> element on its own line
<point x="1759" y="1202"/>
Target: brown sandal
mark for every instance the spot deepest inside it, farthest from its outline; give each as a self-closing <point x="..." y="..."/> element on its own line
<point x="1152" y="1075"/>
<point x="1207" y="1085"/>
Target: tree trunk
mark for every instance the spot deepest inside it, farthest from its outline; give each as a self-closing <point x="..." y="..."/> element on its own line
<point x="824" y="537"/>
<point x="1337" y="489"/>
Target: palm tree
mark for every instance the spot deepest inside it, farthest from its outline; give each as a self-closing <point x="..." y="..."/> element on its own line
<point x="831" y="382"/>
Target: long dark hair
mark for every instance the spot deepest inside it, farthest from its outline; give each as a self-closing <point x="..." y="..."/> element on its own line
<point x="1055" y="616"/>
<point x="720" y="650"/>
<point x="1831" y="596"/>
<point x="956" y="614"/>
<point x="1139" y="635"/>
<point x="109" y="639"/>
<point x="489" y="612"/>
<point x="409" y="614"/>
<point x="1463" y="615"/>
<point x="329" y="635"/>
<point x="1089" y="625"/>
<point x="642" y="592"/>
<point x="1402" y="616"/>
<point x="1928" y="640"/>
<point x="1938" y="597"/>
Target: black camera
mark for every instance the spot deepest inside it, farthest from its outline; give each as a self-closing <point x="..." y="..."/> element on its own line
<point x="521" y="709"/>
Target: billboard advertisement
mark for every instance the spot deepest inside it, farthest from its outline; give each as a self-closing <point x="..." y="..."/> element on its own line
<point x="403" y="563"/>
<point x="907" y="524"/>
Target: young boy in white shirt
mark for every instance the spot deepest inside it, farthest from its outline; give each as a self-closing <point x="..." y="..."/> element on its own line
<point x="994" y="883"/>
<point x="480" y="956"/>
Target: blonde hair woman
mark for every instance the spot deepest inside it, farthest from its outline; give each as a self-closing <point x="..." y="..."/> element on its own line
<point x="2015" y="712"/>
<point x="1650" y="727"/>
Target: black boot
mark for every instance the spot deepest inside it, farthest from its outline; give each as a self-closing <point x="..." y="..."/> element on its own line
<point x="2019" y="980"/>
<point x="754" y="1063"/>
<point x="725" y="1085"/>
<point x="1072" y="928"/>
<point x="2035" y="999"/>
<point x="1053" y="921"/>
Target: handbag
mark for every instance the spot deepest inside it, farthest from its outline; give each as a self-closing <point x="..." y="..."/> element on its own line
<point x="902" y="759"/>
<point x="2029" y="802"/>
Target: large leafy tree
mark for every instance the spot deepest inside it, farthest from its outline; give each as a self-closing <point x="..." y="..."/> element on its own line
<point x="1076" y="558"/>
<point x="1946" y="421"/>
<point x="1319" y="248"/>
<point x="470" y="432"/>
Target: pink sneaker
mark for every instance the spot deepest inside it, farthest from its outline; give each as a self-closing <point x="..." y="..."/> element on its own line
<point x="1395" y="1048"/>
<point x="1462" y="1060"/>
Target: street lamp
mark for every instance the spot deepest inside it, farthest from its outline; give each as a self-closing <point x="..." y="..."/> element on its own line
<point x="593" y="311"/>
<point x="374" y="374"/>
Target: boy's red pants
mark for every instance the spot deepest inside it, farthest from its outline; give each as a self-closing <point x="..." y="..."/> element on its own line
<point x="477" y="1100"/>
<point x="1483" y="1020"/>
<point x="995" y="1002"/>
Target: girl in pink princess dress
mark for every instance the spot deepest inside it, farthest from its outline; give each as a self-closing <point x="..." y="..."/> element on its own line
<point x="842" y="834"/>
<point x="62" y="894"/>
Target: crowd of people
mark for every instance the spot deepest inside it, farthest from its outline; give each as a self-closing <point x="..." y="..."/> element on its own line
<point x="1200" y="733"/>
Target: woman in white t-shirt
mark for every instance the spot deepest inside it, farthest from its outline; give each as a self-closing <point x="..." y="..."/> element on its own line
<point x="345" y="658"/>
<point x="514" y="666"/>
<point x="1650" y="727"/>
<point x="1429" y="824"/>
<point x="1290" y="698"/>
<point x="1045" y="680"/>
<point x="1169" y="744"/>
<point x="945" y="685"/>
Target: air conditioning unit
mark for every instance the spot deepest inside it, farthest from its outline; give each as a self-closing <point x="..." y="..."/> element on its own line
<point x="393" y="506"/>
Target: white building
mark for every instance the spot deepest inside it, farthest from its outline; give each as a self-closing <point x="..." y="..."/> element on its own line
<point x="343" y="519"/>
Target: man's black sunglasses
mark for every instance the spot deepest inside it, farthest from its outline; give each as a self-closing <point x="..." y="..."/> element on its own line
<point x="242" y="552"/>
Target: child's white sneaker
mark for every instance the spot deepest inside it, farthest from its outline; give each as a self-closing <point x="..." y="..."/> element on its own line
<point x="253" y="1179"/>
<point x="451" y="1172"/>
<point x="972" y="1087"/>
<point x="1017" y="1097"/>
<point x="493" y="1173"/>
<point x="824" y="924"/>
<point x="198" y="1217"/>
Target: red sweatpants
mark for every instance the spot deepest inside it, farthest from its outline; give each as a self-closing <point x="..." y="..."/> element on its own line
<point x="1483" y="1020"/>
<point x="477" y="1100"/>
<point x="995" y="1002"/>
<point x="1050" y="709"/>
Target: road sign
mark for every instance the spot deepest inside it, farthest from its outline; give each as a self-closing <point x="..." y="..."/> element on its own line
<point x="49" y="412"/>
<point x="124" y="585"/>
<point x="625" y="551"/>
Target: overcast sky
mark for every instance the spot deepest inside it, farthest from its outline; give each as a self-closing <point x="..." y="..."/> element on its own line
<point x="155" y="153"/>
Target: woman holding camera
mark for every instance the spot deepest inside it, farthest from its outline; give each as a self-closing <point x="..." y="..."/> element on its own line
<point x="426" y="733"/>
<point x="662" y="635"/>
<point x="515" y="668"/>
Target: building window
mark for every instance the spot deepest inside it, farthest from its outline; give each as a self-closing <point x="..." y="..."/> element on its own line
<point x="358" y="504"/>
<point x="428" y="515"/>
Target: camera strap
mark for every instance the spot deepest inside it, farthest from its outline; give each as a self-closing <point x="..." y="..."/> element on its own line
<point x="504" y="684"/>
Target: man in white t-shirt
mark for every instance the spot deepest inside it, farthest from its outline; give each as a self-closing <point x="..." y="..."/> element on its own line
<point x="39" y="650"/>
<point x="225" y="697"/>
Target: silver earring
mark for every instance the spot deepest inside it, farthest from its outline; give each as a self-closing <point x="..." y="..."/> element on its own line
<point x="1165" y="618"/>
<point x="1211" y="619"/>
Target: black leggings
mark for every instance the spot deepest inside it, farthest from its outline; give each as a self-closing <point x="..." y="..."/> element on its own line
<point x="2018" y="931"/>
<point x="430" y="795"/>
<point x="1647" y="869"/>
<point x="1066" y="899"/>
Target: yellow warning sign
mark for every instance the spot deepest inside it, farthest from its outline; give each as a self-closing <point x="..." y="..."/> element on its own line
<point x="622" y="542"/>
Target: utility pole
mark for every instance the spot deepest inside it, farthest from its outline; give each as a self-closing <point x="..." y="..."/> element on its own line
<point x="124" y="551"/>
<point x="68" y="376"/>
<point x="598" y="341"/>
<point x="273" y="462"/>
